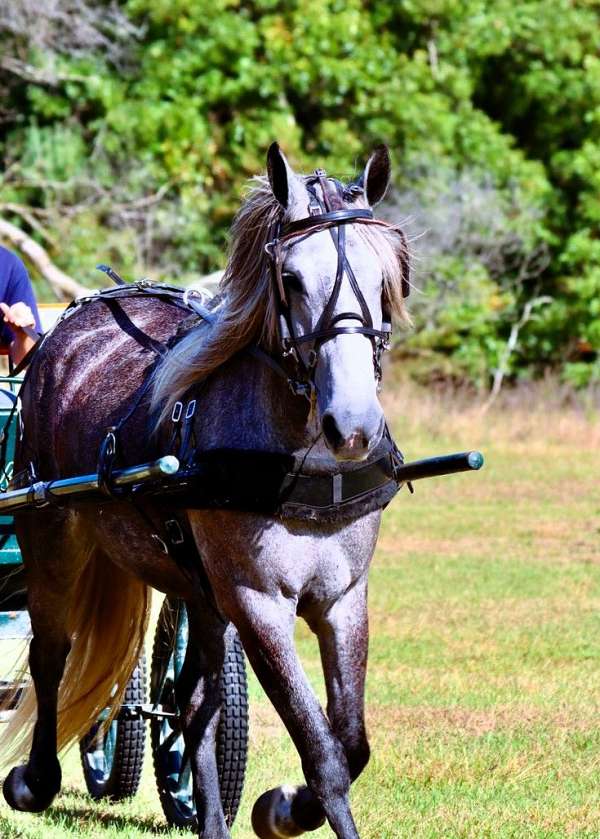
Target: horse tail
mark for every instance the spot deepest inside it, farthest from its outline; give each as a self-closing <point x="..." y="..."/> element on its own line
<point x="106" y="623"/>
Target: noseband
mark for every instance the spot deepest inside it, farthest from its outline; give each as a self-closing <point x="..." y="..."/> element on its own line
<point x="326" y="214"/>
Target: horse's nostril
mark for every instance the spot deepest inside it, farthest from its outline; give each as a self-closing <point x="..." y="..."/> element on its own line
<point x="357" y="440"/>
<point x="332" y="432"/>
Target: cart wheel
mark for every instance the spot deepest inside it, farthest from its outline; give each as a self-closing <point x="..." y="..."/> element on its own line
<point x="112" y="761"/>
<point x="171" y="762"/>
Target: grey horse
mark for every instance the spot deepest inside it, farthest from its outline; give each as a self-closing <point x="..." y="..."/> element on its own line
<point x="89" y="566"/>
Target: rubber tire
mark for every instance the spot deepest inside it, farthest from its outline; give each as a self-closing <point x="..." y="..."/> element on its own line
<point x="232" y="732"/>
<point x="123" y="778"/>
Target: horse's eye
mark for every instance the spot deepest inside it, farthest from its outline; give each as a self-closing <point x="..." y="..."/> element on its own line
<point x="292" y="282"/>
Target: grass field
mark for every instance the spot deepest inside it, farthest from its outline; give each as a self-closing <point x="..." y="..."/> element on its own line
<point x="484" y="677"/>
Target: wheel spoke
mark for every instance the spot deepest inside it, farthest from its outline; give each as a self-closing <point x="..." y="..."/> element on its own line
<point x="169" y="740"/>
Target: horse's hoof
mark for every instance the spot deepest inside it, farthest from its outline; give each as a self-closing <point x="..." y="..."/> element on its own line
<point x="272" y="814"/>
<point x="20" y="796"/>
<point x="286" y="811"/>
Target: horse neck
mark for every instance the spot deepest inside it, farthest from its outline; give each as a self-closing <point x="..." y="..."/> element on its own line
<point x="247" y="405"/>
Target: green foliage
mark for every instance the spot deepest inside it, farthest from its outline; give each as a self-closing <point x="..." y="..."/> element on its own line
<point x="500" y="98"/>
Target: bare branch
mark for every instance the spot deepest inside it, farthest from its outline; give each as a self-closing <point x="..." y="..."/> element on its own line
<point x="432" y="54"/>
<point x="28" y="215"/>
<point x="29" y="73"/>
<point x="65" y="287"/>
<point x="510" y="347"/>
<point x="69" y="27"/>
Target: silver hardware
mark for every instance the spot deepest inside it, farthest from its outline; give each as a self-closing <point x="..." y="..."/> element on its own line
<point x="163" y="545"/>
<point x="174" y="532"/>
<point x="177" y="411"/>
<point x="336" y="485"/>
<point x="290" y="350"/>
<point x="39" y="493"/>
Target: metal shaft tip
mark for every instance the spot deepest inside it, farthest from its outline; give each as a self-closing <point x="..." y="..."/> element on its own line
<point x="168" y="464"/>
<point x="475" y="460"/>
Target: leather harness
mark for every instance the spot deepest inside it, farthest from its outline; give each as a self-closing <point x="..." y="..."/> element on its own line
<point x="326" y="213"/>
<point x="257" y="481"/>
<point x="261" y="481"/>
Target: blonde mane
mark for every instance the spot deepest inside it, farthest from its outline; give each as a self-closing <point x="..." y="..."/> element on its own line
<point x="247" y="312"/>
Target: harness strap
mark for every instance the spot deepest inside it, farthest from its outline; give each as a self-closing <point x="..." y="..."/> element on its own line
<point x="333" y="217"/>
<point x="106" y="461"/>
<point x="327" y="492"/>
<point x="35" y="336"/>
<point x="273" y="483"/>
<point x="319" y="335"/>
<point x="130" y="328"/>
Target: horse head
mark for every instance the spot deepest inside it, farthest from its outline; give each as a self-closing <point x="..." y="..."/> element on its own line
<point x="338" y="274"/>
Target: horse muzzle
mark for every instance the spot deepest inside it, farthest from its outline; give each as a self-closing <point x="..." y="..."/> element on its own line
<point x="351" y="440"/>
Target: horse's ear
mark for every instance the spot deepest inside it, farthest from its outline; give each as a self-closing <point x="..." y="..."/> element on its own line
<point x="281" y="176"/>
<point x="376" y="177"/>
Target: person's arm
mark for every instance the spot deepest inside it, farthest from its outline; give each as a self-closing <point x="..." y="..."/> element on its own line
<point x="18" y="316"/>
<point x="19" y="310"/>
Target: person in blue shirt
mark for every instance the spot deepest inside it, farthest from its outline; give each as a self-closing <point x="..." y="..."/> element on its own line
<point x="18" y="306"/>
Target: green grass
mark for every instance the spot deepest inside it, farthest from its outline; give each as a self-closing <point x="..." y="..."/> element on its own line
<point x="484" y="678"/>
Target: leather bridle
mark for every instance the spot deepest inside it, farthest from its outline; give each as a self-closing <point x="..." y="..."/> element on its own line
<point x="327" y="213"/>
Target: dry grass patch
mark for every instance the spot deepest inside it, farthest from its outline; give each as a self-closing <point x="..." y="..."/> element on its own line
<point x="414" y="720"/>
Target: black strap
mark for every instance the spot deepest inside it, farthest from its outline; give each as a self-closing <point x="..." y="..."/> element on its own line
<point x="335" y="217"/>
<point x="106" y="461"/>
<point x="130" y="328"/>
<point x="270" y="482"/>
<point x="263" y="356"/>
<point x="4" y="434"/>
<point x="325" y="334"/>
<point x="328" y="491"/>
<point x="116" y="278"/>
<point x="27" y="357"/>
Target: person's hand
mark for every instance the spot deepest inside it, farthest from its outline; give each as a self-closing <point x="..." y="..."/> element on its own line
<point x="18" y="315"/>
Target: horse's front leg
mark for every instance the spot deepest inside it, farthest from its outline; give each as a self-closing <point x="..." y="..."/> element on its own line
<point x="266" y="626"/>
<point x="343" y="636"/>
<point x="343" y="633"/>
<point x="199" y="697"/>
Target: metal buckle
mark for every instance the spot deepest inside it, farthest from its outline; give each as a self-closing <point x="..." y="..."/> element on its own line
<point x="174" y="532"/>
<point x="289" y="350"/>
<point x="301" y="388"/>
<point x="177" y="411"/>
<point x="337" y="489"/>
<point x="40" y="496"/>
<point x="191" y="409"/>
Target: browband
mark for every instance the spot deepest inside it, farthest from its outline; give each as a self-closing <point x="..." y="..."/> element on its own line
<point x="335" y="216"/>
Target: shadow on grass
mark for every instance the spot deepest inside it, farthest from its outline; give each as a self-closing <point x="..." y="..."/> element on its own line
<point x="81" y="813"/>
